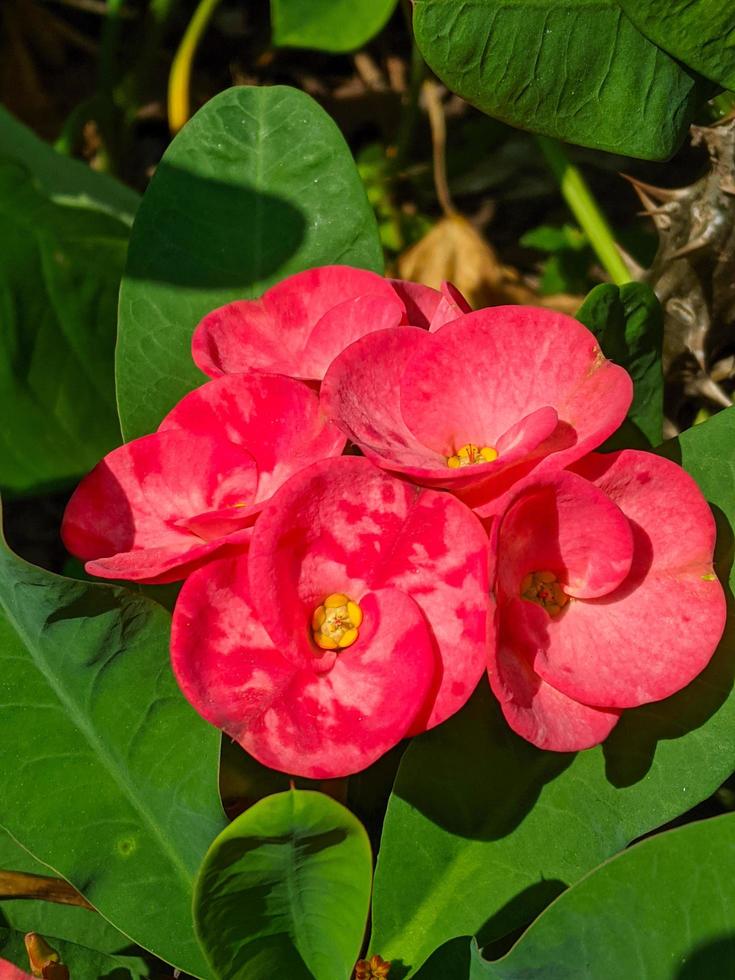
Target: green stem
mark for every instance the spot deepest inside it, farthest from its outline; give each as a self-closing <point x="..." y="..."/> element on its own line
<point x="135" y="88"/>
<point x="722" y="105"/>
<point x="410" y="109"/>
<point x="109" y="46"/>
<point x="178" y="81"/>
<point x="585" y="209"/>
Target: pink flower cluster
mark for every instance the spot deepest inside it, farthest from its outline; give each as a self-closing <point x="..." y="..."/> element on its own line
<point x="335" y="604"/>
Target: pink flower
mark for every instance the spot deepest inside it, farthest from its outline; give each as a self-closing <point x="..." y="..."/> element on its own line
<point x="299" y="326"/>
<point x="158" y="507"/>
<point x="481" y="402"/>
<point x="427" y="307"/>
<point x="10" y="972"/>
<point x="606" y="597"/>
<point x="359" y="616"/>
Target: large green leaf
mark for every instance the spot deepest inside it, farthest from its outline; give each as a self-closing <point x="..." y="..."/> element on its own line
<point x="663" y="910"/>
<point x="61" y="178"/>
<point x="328" y="25"/>
<point x="258" y="185"/>
<point x="60" y="268"/>
<point x="108" y="777"/>
<point x="628" y="323"/>
<point x="284" y="891"/>
<point x="574" y="69"/>
<point x="83" y="963"/>
<point x="497" y="828"/>
<point x="68" y="922"/>
<point x="701" y="33"/>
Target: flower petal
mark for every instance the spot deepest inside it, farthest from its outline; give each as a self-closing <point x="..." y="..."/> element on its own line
<point x="271" y="333"/>
<point x="161" y="565"/>
<point x="482" y="373"/>
<point x="345" y="526"/>
<point x="285" y="713"/>
<point x="278" y="420"/>
<point x="124" y="517"/>
<point x="532" y="707"/>
<point x="567" y="526"/>
<point x="361" y="392"/>
<point x="341" y="326"/>
<point x="451" y="306"/>
<point x="657" y="631"/>
<point x="428" y="307"/>
<point x="10" y="972"/>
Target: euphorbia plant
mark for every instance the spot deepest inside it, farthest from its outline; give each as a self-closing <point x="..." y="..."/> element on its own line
<point x="342" y="600"/>
<point x="359" y="608"/>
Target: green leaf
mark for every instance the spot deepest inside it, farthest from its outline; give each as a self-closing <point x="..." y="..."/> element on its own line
<point x="701" y="33"/>
<point x="570" y="257"/>
<point x="62" y="179"/>
<point x="577" y="70"/>
<point x="108" y="777"/>
<point x="550" y="238"/>
<point x="284" y="891"/>
<point x="258" y="185"/>
<point x="60" y="268"/>
<point x="68" y="922"/>
<point x="628" y="323"/>
<point x="328" y="25"/>
<point x="83" y="963"/>
<point x="497" y="828"/>
<point x="664" y="908"/>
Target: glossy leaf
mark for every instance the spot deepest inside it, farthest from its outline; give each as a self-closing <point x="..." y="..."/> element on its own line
<point x="496" y="828"/>
<point x="83" y="963"/>
<point x="77" y="925"/>
<point x="701" y="33"/>
<point x="328" y="25"/>
<point x="62" y="179"/>
<point x="284" y="891"/>
<point x="60" y="268"/>
<point x="628" y="323"/>
<point x="108" y="776"/>
<point x="663" y="909"/>
<point x="258" y="185"/>
<point x="577" y="70"/>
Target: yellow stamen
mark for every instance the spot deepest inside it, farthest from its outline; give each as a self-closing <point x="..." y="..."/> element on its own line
<point x="469" y="454"/>
<point x="544" y="589"/>
<point x="335" y="624"/>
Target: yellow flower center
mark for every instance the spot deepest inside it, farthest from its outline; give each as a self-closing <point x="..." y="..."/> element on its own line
<point x="544" y="589"/>
<point x="469" y="454"/>
<point x="336" y="623"/>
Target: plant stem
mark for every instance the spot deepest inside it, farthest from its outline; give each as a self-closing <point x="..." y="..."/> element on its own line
<point x="439" y="142"/>
<point x="178" y="81"/>
<point x="585" y="209"/>
<point x="410" y="109"/>
<point x="110" y="44"/>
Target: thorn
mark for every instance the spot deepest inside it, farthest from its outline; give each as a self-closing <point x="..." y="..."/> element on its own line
<point x="710" y="389"/>
<point x="636" y="271"/>
<point x="693" y="246"/>
<point x="648" y="203"/>
<point x="657" y="193"/>
<point x="723" y="369"/>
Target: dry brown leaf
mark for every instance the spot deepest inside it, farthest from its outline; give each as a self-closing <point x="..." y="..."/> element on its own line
<point x="453" y="250"/>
